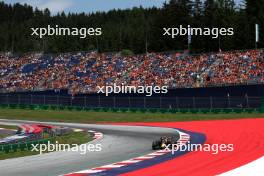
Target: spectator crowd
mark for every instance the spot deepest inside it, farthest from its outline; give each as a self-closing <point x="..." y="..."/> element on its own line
<point x="82" y="72"/>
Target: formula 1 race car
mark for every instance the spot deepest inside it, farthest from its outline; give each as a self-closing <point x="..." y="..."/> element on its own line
<point x="163" y="142"/>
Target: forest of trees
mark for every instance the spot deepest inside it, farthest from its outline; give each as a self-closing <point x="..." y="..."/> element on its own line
<point x="137" y="29"/>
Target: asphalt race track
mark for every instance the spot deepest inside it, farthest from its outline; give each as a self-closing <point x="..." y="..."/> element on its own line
<point x="127" y="140"/>
<point x="119" y="143"/>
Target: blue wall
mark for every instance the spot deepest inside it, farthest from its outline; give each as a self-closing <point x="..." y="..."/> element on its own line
<point x="213" y="97"/>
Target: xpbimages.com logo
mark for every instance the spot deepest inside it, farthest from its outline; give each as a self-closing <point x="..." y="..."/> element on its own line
<point x="189" y="147"/>
<point x="197" y="31"/>
<point x="65" y="31"/>
<point x="148" y="90"/>
<point x="55" y="147"/>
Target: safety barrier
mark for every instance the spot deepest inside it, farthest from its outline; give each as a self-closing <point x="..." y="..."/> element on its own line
<point x="262" y="106"/>
<point x="143" y="110"/>
<point x="142" y="102"/>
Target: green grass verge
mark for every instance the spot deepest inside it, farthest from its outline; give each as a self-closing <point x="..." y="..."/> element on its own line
<point x="92" y="117"/>
<point x="71" y="138"/>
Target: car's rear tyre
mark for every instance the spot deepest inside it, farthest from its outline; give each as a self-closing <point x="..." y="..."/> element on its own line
<point x="156" y="145"/>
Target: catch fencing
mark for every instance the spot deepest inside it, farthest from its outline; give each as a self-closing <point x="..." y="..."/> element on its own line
<point x="133" y="102"/>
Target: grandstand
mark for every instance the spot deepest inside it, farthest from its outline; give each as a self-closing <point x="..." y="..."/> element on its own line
<point x="82" y="72"/>
<point x="71" y="79"/>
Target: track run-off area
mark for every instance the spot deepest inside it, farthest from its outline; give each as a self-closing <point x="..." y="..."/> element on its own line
<point x="129" y="140"/>
<point x="247" y="158"/>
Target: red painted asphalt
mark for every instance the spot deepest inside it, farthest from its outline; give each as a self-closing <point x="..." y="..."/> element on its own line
<point x="247" y="136"/>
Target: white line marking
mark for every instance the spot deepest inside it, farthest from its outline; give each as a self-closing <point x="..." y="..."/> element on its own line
<point x="89" y="171"/>
<point x="111" y="166"/>
<point x="144" y="157"/>
<point x="254" y="168"/>
<point x="129" y="161"/>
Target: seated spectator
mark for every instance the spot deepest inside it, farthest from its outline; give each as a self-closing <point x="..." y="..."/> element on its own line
<point x="83" y="72"/>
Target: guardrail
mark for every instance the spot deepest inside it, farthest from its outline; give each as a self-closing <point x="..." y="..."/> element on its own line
<point x="142" y="110"/>
<point x="262" y="106"/>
